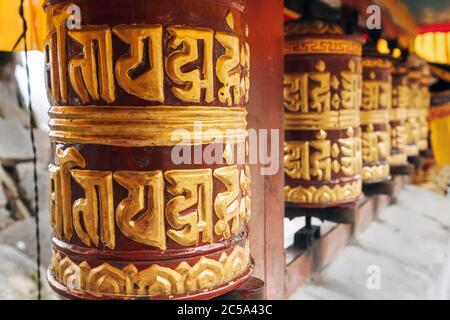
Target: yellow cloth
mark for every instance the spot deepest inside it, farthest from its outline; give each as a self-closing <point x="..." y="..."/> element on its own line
<point x="440" y="134"/>
<point x="11" y="26"/>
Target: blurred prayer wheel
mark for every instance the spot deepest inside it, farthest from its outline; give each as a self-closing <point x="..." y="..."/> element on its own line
<point x="322" y="99"/>
<point x="398" y="114"/>
<point x="130" y="219"/>
<point x="413" y="122"/>
<point x="424" y="107"/>
<point x="376" y="105"/>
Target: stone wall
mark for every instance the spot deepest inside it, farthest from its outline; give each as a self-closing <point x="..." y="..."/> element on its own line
<point x="17" y="227"/>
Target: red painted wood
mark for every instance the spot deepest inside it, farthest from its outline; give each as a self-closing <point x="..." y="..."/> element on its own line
<point x="266" y="112"/>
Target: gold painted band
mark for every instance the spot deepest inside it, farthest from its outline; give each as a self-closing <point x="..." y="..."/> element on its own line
<point x="398" y="114"/>
<point x="323" y="194"/>
<point x="322" y="120"/>
<point x="147" y="126"/>
<point x="416" y="75"/>
<point x="374" y="117"/>
<point x="154" y="280"/>
<point x="376" y="63"/>
<point x="376" y="172"/>
<point x="323" y="46"/>
<point x="398" y="159"/>
<point x="423" y="145"/>
<point x="412" y="149"/>
<point x="414" y="113"/>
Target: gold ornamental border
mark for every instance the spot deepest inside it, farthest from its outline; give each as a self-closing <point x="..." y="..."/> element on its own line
<point x="415" y="75"/>
<point x="377" y="172"/>
<point x="399" y="159"/>
<point x="324" y="194"/>
<point x="147" y="126"/>
<point x="323" y="46"/>
<point x="423" y="145"/>
<point x="369" y="62"/>
<point x="399" y="114"/>
<point x="155" y="280"/>
<point x="414" y="113"/>
<point x="412" y="149"/>
<point x="374" y="117"/>
<point x="322" y="120"/>
<point x="399" y="70"/>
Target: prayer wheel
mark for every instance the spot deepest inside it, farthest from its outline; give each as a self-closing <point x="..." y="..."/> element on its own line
<point x="413" y="123"/>
<point x="322" y="99"/>
<point x="376" y="105"/>
<point x="424" y="107"/>
<point x="142" y="92"/>
<point x="398" y="114"/>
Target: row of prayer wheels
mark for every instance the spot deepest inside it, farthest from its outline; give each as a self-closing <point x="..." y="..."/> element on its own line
<point x="129" y="222"/>
<point x="351" y="113"/>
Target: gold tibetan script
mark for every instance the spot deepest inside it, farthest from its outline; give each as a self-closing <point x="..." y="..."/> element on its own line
<point x="400" y="96"/>
<point x="148" y="85"/>
<point x="307" y="92"/>
<point x="318" y="159"/>
<point x="143" y="215"/>
<point x="60" y="190"/>
<point x="190" y="63"/>
<point x="352" y="85"/>
<point x="227" y="204"/>
<point x="351" y="153"/>
<point x="91" y="72"/>
<point x="192" y="82"/>
<point x="149" y="227"/>
<point x="377" y="94"/>
<point x="191" y="188"/>
<point x="96" y="209"/>
<point x="376" y="145"/>
<point x="311" y="92"/>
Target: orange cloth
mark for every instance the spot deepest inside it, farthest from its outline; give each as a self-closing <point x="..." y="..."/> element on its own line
<point x="11" y="26"/>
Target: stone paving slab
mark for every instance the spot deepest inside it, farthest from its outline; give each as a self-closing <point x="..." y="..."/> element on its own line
<point x="18" y="276"/>
<point x="15" y="145"/>
<point x="409" y="248"/>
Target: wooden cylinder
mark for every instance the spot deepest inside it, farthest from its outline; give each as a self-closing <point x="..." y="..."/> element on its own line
<point x="398" y="114"/>
<point x="376" y="105"/>
<point x="142" y="91"/>
<point x="413" y="124"/>
<point x="322" y="99"/>
<point x="424" y="107"/>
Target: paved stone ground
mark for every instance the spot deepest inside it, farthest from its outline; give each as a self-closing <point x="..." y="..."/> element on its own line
<point x="18" y="276"/>
<point x="407" y="249"/>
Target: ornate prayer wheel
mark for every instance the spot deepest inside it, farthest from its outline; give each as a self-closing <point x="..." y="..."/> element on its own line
<point x="424" y="106"/>
<point x="142" y="92"/>
<point x="413" y="123"/>
<point x="322" y="99"/>
<point x="376" y="105"/>
<point x="398" y="114"/>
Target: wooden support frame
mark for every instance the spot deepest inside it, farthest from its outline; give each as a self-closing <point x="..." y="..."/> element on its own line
<point x="266" y="21"/>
